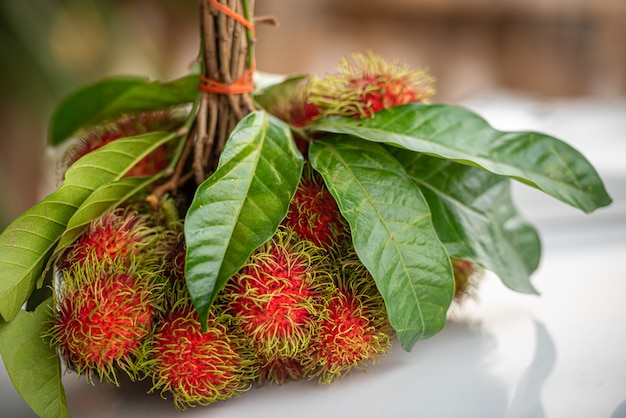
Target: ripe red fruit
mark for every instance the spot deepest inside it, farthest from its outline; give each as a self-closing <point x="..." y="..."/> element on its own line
<point x="118" y="237"/>
<point x="101" y="321"/>
<point x="198" y="367"/>
<point x="301" y="114"/>
<point x="274" y="298"/>
<point x="290" y="103"/>
<point x="314" y="215"/>
<point x="354" y="329"/>
<point x="368" y="84"/>
<point x="128" y="125"/>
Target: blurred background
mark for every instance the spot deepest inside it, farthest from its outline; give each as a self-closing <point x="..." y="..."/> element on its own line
<point x="545" y="50"/>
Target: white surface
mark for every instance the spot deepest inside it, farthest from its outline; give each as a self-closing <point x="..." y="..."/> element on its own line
<point x="562" y="354"/>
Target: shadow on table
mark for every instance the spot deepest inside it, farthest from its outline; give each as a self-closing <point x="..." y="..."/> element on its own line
<point x="527" y="399"/>
<point x="449" y="375"/>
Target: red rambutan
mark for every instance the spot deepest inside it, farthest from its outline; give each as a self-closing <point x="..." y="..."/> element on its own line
<point x="294" y="108"/>
<point x="367" y="84"/>
<point x="198" y="368"/>
<point x="126" y="126"/>
<point x="174" y="273"/>
<point x="119" y="237"/>
<point x="101" y="321"/>
<point x="314" y="215"/>
<point x="354" y="329"/>
<point x="274" y="298"/>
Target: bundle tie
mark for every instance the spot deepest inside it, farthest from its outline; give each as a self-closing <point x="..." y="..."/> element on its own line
<point x="245" y="83"/>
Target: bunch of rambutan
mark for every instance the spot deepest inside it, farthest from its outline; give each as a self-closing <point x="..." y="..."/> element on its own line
<point x="301" y="303"/>
<point x="303" y="306"/>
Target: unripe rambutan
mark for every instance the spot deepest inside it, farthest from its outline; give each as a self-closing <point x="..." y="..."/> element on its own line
<point x="367" y="84"/>
<point x="354" y="329"/>
<point x="102" y="321"/>
<point x="314" y="215"/>
<point x="128" y="125"/>
<point x="118" y="237"/>
<point x="274" y="298"/>
<point x="198" y="368"/>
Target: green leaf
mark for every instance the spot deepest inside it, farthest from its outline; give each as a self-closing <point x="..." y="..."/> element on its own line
<point x="101" y="199"/>
<point x="475" y="217"/>
<point x="240" y="206"/>
<point x="457" y="134"/>
<point x="27" y="243"/>
<point x="392" y="232"/>
<point x="279" y="95"/>
<point x="115" y="96"/>
<point x="32" y="364"/>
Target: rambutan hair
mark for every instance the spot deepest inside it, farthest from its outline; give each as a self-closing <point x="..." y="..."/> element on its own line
<point x="196" y="367"/>
<point x="125" y="126"/>
<point x="354" y="330"/>
<point x="102" y="320"/>
<point x="119" y="237"/>
<point x="279" y="370"/>
<point x="275" y="298"/>
<point x="314" y="214"/>
<point x="467" y="276"/>
<point x="365" y="84"/>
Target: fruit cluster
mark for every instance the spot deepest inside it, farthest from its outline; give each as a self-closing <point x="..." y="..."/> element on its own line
<point x="303" y="306"/>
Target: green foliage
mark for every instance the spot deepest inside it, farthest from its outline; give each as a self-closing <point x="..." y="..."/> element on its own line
<point x="392" y="232"/>
<point x="475" y="217"/>
<point x="33" y="366"/>
<point x="98" y="202"/>
<point x="240" y="206"/>
<point x="27" y="243"/>
<point x="279" y="95"/>
<point x="114" y="97"/>
<point x="460" y="135"/>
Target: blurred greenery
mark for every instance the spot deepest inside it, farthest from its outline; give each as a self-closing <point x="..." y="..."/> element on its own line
<point x="48" y="48"/>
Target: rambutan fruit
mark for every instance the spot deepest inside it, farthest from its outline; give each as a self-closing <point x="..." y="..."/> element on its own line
<point x="118" y="237"/>
<point x="295" y="108"/>
<point x="466" y="277"/>
<point x="354" y="330"/>
<point x="174" y="273"/>
<point x="279" y="370"/>
<point x="314" y="215"/>
<point x="127" y="125"/>
<point x="367" y="84"/>
<point x="274" y="298"/>
<point x="102" y="321"/>
<point x="198" y="368"/>
<point x="175" y="260"/>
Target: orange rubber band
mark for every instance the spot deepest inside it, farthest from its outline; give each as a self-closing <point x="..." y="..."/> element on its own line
<point x="245" y="83"/>
<point x="232" y="14"/>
